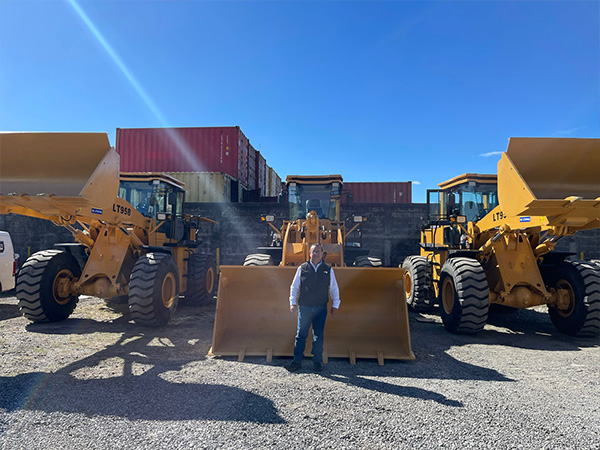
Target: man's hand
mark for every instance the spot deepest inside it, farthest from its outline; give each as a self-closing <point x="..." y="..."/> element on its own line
<point x="293" y="309"/>
<point x="333" y="311"/>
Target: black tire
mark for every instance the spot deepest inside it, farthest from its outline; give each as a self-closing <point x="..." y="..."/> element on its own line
<point x="258" y="259"/>
<point x="367" y="261"/>
<point x="464" y="296"/>
<point x="417" y="283"/>
<point x="153" y="289"/>
<point x="201" y="279"/>
<point x="582" y="280"/>
<point x="39" y="286"/>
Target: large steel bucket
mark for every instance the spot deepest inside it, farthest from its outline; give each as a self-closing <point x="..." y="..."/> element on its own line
<point x="558" y="178"/>
<point x="253" y="316"/>
<point x="56" y="173"/>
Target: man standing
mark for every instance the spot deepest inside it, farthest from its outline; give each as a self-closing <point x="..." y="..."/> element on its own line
<point x="313" y="283"/>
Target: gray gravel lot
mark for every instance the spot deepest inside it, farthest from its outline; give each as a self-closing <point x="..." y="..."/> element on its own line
<point x="99" y="381"/>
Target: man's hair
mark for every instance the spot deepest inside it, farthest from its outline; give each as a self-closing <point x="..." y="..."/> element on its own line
<point x="316" y="244"/>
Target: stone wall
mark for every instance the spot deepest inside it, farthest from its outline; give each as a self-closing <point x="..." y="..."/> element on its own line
<point x="30" y="235"/>
<point x="391" y="231"/>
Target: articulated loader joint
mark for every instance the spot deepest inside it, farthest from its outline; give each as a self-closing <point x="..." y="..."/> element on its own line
<point x="155" y="249"/>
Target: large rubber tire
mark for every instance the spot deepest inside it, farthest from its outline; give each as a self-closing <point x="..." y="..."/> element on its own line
<point x="582" y="280"/>
<point x="464" y="296"/>
<point x="258" y="259"/>
<point x="39" y="282"/>
<point x="153" y="289"/>
<point x="201" y="279"/>
<point x="367" y="261"/>
<point x="417" y="283"/>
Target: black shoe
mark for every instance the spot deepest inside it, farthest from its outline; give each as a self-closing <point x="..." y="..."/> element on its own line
<point x="318" y="367"/>
<point x="294" y="366"/>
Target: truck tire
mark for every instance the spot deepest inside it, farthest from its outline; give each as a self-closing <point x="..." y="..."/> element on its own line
<point x="258" y="259"/>
<point x="582" y="280"/>
<point x="201" y="279"/>
<point x="367" y="261"/>
<point x="153" y="289"/>
<point x="417" y="284"/>
<point x="464" y="296"/>
<point x="39" y="282"/>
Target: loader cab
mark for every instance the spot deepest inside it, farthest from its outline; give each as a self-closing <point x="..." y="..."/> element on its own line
<point x="156" y="196"/>
<point x="314" y="193"/>
<point x="471" y="196"/>
<point x="152" y="194"/>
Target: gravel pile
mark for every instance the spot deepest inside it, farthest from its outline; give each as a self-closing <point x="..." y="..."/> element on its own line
<point x="98" y="381"/>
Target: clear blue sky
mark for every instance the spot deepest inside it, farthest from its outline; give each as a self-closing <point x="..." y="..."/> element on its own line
<point x="376" y="91"/>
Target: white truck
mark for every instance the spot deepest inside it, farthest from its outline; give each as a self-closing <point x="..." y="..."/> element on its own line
<point x="8" y="263"/>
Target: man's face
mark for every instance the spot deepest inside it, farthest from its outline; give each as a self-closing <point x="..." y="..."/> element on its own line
<point x="316" y="254"/>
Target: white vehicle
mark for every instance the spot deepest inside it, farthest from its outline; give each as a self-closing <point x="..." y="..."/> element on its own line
<point x="7" y="262"/>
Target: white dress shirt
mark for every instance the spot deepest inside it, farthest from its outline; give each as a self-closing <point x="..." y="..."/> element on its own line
<point x="334" y="290"/>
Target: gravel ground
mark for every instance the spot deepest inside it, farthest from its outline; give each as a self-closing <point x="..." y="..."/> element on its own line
<point x="99" y="381"/>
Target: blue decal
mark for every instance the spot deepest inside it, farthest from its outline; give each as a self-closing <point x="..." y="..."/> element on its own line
<point x="525" y="219"/>
<point x="96" y="211"/>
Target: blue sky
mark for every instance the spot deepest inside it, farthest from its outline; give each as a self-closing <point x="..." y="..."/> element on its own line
<point x="376" y="91"/>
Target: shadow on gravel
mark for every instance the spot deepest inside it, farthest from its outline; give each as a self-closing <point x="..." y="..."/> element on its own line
<point x="9" y="311"/>
<point x="145" y="397"/>
<point x="388" y="388"/>
<point x="518" y="328"/>
<point x="139" y="377"/>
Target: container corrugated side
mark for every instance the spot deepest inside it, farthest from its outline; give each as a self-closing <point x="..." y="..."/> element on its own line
<point x="252" y="179"/>
<point x="198" y="149"/>
<point x="243" y="152"/>
<point x="261" y="174"/>
<point x="273" y="182"/>
<point x="205" y="187"/>
<point x="379" y="192"/>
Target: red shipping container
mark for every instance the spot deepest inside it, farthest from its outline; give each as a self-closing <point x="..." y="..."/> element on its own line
<point x="198" y="149"/>
<point x="375" y="192"/>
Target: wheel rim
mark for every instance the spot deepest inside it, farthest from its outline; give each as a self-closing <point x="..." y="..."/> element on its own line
<point x="168" y="290"/>
<point x="407" y="285"/>
<point x="565" y="285"/>
<point x="210" y="280"/>
<point x="60" y="287"/>
<point x="448" y="295"/>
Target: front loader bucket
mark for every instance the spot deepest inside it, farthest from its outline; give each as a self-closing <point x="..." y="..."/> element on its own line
<point x="51" y="172"/>
<point x="553" y="177"/>
<point x="253" y="316"/>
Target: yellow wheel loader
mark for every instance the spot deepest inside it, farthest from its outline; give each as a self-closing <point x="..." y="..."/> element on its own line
<point x="132" y="238"/>
<point x="253" y="313"/>
<point x="490" y="239"/>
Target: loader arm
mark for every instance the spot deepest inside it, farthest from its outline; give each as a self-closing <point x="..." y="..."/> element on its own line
<point x="72" y="180"/>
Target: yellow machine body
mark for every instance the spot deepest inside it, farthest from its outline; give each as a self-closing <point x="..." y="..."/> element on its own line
<point x="253" y="314"/>
<point x="546" y="188"/>
<point x="73" y="180"/>
<point x="253" y="311"/>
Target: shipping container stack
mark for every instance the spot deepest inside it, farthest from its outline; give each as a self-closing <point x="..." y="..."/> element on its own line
<point x="217" y="164"/>
<point x="261" y="174"/>
<point x="273" y="183"/>
<point x="378" y="192"/>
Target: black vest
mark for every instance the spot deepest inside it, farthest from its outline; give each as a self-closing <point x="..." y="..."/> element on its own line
<point x="314" y="286"/>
